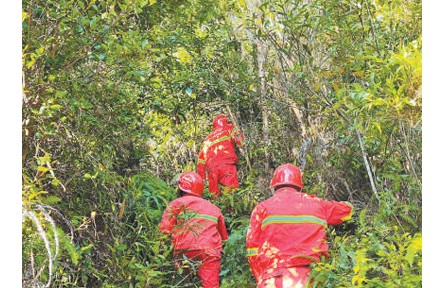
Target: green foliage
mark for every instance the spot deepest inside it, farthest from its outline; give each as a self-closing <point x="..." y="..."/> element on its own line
<point x="377" y="255"/>
<point x="235" y="268"/>
<point x="117" y="98"/>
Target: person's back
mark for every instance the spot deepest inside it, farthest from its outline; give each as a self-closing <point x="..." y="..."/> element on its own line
<point x="287" y="232"/>
<point x="293" y="228"/>
<point x="218" y="157"/>
<point x="198" y="224"/>
<point x="219" y="147"/>
<point x="197" y="228"/>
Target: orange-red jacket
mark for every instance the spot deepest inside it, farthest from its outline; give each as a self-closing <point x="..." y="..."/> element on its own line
<point x="289" y="230"/>
<point x="219" y="148"/>
<point x="195" y="224"/>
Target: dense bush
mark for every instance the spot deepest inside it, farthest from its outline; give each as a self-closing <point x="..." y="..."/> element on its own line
<point x="118" y="97"/>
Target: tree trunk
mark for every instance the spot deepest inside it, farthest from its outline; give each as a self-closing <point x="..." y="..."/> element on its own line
<point x="261" y="59"/>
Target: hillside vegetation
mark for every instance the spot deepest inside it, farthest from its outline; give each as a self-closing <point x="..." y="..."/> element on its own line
<point x="119" y="95"/>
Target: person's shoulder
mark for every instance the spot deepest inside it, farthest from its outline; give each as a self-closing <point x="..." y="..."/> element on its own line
<point x="175" y="202"/>
<point x="210" y="204"/>
<point x="263" y="204"/>
<point x="184" y="200"/>
<point x="209" y="137"/>
<point x="202" y="200"/>
<point x="212" y="136"/>
<point x="207" y="207"/>
<point x="312" y="197"/>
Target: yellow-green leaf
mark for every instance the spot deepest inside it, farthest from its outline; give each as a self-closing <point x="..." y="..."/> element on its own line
<point x="42" y="168"/>
<point x="413" y="249"/>
<point x="86" y="247"/>
<point x="377" y="125"/>
<point x="183" y="55"/>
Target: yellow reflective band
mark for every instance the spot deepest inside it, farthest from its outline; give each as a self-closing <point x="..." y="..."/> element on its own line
<point x="201" y="161"/>
<point x="313" y="259"/>
<point x="209" y="144"/>
<point x="252" y="252"/>
<point x="349" y="216"/>
<point x="293" y="219"/>
<point x="206" y="217"/>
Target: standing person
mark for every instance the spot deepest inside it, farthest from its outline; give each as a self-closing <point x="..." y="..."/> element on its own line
<point x="197" y="228"/>
<point x="218" y="156"/>
<point x="288" y="231"/>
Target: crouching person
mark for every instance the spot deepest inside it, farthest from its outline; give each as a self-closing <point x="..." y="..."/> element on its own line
<point x="197" y="228"/>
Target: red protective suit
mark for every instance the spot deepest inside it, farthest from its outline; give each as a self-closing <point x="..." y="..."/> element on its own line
<point x="218" y="157"/>
<point x="288" y="232"/>
<point x="197" y="227"/>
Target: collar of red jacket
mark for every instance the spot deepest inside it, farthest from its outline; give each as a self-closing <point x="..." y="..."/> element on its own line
<point x="226" y="127"/>
<point x="190" y="195"/>
<point x="287" y="189"/>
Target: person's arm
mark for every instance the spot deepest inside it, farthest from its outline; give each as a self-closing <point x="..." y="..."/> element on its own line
<point x="168" y="220"/>
<point x="201" y="166"/>
<point x="222" y="228"/>
<point x="237" y="137"/>
<point x="337" y="212"/>
<point x="253" y="241"/>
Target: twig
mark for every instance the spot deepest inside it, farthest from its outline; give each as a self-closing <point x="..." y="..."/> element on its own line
<point x="368" y="167"/>
<point x="407" y="154"/>
<point x="373" y="29"/>
<point x="243" y="151"/>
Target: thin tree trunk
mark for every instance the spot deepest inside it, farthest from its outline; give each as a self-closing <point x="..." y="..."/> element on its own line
<point x="235" y="123"/>
<point x="261" y="58"/>
<point x="407" y="153"/>
<point x="368" y="167"/>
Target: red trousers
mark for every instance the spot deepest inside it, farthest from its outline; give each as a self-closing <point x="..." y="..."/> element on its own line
<point x="209" y="269"/>
<point x="293" y="277"/>
<point x="225" y="174"/>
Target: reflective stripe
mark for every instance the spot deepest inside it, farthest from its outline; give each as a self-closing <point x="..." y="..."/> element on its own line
<point x="206" y="217"/>
<point x="201" y="161"/>
<point x="209" y="144"/>
<point x="293" y="219"/>
<point x="313" y="259"/>
<point x="347" y="217"/>
<point x="251" y="252"/>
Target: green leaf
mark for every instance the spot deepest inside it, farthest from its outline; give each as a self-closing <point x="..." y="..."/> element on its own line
<point x="42" y="168"/>
<point x="50" y="200"/>
<point x="89" y="246"/>
<point x="183" y="55"/>
<point x="414" y="248"/>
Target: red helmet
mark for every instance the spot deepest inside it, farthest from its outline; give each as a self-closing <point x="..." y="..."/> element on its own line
<point x="287" y="174"/>
<point x="191" y="182"/>
<point x="220" y="121"/>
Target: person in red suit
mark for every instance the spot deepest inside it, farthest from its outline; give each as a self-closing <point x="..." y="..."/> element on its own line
<point x="287" y="232"/>
<point x="197" y="228"/>
<point x="218" y="158"/>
